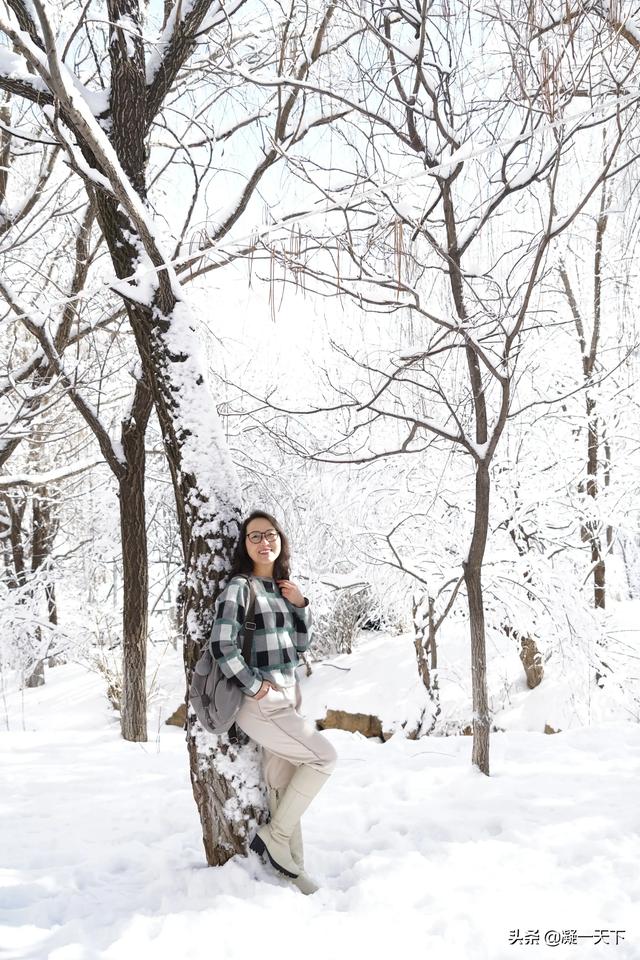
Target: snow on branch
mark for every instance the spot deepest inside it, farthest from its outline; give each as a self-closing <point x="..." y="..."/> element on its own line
<point x="34" y="480"/>
<point x="15" y="76"/>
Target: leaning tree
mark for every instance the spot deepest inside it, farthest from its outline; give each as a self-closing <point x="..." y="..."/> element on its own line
<point x="108" y="95"/>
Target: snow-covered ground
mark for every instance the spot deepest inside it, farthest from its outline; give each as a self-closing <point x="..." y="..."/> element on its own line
<point x="419" y="855"/>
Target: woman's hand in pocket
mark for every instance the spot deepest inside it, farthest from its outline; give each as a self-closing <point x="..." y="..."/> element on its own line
<point x="264" y="690"/>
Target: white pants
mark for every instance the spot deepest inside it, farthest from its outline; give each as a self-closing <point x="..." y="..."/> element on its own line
<point x="287" y="738"/>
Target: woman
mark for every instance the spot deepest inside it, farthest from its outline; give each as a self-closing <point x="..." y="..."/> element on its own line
<point x="297" y="759"/>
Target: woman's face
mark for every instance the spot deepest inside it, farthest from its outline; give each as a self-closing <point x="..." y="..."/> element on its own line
<point x="266" y="551"/>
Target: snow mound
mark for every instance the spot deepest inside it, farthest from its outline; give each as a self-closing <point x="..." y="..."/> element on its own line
<point x="380" y="678"/>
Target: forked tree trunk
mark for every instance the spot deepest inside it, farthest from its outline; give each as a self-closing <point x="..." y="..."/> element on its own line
<point x="472" y="567"/>
<point x="205" y="484"/>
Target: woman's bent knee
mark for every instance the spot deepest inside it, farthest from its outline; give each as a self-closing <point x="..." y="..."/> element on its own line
<point x="327" y="757"/>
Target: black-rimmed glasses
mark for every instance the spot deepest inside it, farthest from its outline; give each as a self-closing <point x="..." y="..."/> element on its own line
<point x="270" y="536"/>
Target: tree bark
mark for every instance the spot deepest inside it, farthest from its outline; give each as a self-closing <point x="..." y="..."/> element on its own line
<point x="593" y="421"/>
<point x="473" y="581"/>
<point x="425" y="643"/>
<point x="217" y="787"/>
<point x="45" y="527"/>
<point x="531" y="659"/>
<point x="15" y="513"/>
<point x="208" y="506"/>
<point x="589" y="356"/>
<point x="135" y="570"/>
<point x="422" y="643"/>
<point x="597" y="553"/>
<point x="473" y="565"/>
<point x="36" y="677"/>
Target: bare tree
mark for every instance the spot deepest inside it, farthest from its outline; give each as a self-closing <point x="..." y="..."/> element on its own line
<point x="40" y="378"/>
<point x="589" y="351"/>
<point x="444" y="147"/>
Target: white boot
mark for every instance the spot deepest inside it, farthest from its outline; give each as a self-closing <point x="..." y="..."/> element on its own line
<point x="274" y="838"/>
<point x="303" y="881"/>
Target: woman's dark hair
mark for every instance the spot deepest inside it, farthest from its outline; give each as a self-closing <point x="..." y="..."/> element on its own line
<point x="242" y="562"/>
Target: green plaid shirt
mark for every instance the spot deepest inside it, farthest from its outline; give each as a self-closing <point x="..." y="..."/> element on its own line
<point x="282" y="632"/>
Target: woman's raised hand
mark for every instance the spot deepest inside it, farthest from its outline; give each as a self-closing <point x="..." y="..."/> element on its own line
<point x="291" y="592"/>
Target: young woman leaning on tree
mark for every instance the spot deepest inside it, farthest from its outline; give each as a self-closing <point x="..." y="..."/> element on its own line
<point x="297" y="758"/>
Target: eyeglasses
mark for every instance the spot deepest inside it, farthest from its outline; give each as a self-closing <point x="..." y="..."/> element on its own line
<point x="270" y="536"/>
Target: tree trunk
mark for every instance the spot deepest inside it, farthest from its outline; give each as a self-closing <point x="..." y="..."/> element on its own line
<point x="473" y="581"/>
<point x="15" y="513"/>
<point x="135" y="571"/>
<point x="433" y="649"/>
<point x="45" y="526"/>
<point x="52" y="603"/>
<point x="422" y="634"/>
<point x="36" y="677"/>
<point x="531" y="659"/>
<point x="208" y="501"/>
<point x="425" y="643"/>
<point x="597" y="556"/>
<point x="590" y="530"/>
<point x="206" y="488"/>
<point x="607" y="481"/>
<point x="222" y="768"/>
<point x="472" y="567"/>
<point x="208" y="506"/>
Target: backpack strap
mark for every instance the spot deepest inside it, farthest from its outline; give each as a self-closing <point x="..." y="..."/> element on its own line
<point x="249" y="625"/>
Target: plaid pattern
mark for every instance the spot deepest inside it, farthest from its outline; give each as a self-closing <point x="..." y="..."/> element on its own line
<point x="282" y="632"/>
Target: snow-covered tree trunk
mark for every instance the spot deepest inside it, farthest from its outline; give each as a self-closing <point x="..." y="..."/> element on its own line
<point x="106" y="139"/>
<point x="206" y="490"/>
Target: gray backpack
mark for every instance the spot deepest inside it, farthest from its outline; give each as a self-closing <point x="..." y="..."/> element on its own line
<point x="215" y="698"/>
